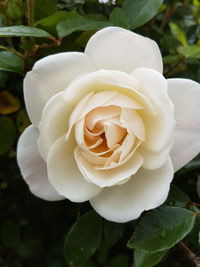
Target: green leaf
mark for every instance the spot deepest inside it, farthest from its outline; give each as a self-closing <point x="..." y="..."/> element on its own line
<point x="162" y="228"/>
<point x="146" y="259"/>
<point x="45" y="8"/>
<point x="141" y="11"/>
<point x="7" y="134"/>
<point x="198" y="186"/>
<point x="30" y="249"/>
<point x="22" y="31"/>
<point x="10" y="234"/>
<point x="199" y="238"/>
<point x="11" y="62"/>
<point x="177" y="197"/>
<point x="192" y="51"/>
<point x="120" y="260"/>
<point x="178" y="33"/>
<point x="49" y="23"/>
<point x="83" y="239"/>
<point x="170" y="59"/>
<point x="79" y="23"/>
<point x="113" y="232"/>
<point x="119" y="18"/>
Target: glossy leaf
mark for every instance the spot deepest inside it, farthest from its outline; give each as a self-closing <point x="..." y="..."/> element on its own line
<point x="22" y="31"/>
<point x="11" y="62"/>
<point x="177" y="197"/>
<point x="146" y="259"/>
<point x="113" y="232"/>
<point x="79" y="23"/>
<point x="162" y="228"/>
<point x="83" y="239"/>
<point x="119" y="18"/>
<point x="141" y="11"/>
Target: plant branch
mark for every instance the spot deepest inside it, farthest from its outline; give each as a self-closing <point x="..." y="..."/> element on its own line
<point x="191" y="255"/>
<point x="169" y="12"/>
<point x="12" y="50"/>
<point x="30" y="9"/>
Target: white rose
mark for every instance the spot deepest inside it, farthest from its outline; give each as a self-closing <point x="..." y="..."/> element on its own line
<point x="107" y="126"/>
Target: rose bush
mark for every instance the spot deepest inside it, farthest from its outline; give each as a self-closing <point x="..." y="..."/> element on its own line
<point x="107" y="126"/>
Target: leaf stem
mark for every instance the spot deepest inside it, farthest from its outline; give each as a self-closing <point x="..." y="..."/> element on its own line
<point x="12" y="50"/>
<point x="191" y="255"/>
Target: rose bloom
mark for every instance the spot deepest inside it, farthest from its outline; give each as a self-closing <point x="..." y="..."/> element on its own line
<point x="107" y="126"/>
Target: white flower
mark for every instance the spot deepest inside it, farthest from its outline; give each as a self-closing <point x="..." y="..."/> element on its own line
<point x="107" y="126"/>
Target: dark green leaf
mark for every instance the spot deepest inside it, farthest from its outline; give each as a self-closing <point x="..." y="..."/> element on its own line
<point x="177" y="197"/>
<point x="23" y="31"/>
<point x="113" y="232"/>
<point x="7" y="134"/>
<point x="146" y="259"/>
<point x="79" y="23"/>
<point x="10" y="234"/>
<point x="162" y="228"/>
<point x="192" y="51"/>
<point x="49" y="23"/>
<point x="141" y="11"/>
<point x="30" y="249"/>
<point x="83" y="239"/>
<point x="198" y="186"/>
<point x="11" y="62"/>
<point x="119" y="18"/>
<point x="45" y="8"/>
<point x="120" y="260"/>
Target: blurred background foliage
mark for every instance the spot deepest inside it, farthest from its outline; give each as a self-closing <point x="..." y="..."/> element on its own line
<point x="38" y="233"/>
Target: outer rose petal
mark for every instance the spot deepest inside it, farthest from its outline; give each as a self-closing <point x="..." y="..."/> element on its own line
<point x="186" y="97"/>
<point x="64" y="174"/>
<point x="51" y="75"/>
<point x="120" y="49"/>
<point x="145" y="190"/>
<point x="32" y="166"/>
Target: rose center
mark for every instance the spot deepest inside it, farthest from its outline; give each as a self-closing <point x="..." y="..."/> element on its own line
<point x="109" y="135"/>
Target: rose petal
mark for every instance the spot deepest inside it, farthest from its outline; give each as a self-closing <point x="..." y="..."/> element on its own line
<point x="113" y="133"/>
<point x="159" y="128"/>
<point x="49" y="76"/>
<point x="32" y="166"/>
<point x="64" y="174"/>
<point x="109" y="177"/>
<point x="145" y="190"/>
<point x="120" y="49"/>
<point x="185" y="95"/>
<point x="132" y="121"/>
<point x="54" y="123"/>
<point x="154" y="160"/>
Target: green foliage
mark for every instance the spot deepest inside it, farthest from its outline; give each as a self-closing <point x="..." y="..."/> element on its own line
<point x="119" y="18"/>
<point x="162" y="228"/>
<point x="140" y="11"/>
<point x="11" y="62"/>
<point x="23" y="31"/>
<point x="32" y="230"/>
<point x="146" y="259"/>
<point x="76" y="22"/>
<point x="83" y="239"/>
